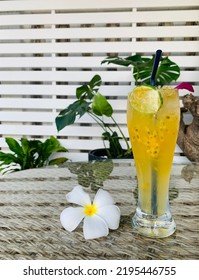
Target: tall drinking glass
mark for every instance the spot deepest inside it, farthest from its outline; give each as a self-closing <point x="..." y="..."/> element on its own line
<point x="153" y="137"/>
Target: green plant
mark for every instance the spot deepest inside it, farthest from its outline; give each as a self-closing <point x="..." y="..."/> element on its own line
<point x="89" y="100"/>
<point x="28" y="154"/>
<point x="167" y="72"/>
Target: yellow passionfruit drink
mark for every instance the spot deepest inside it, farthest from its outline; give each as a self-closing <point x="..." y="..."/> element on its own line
<point x="145" y="99"/>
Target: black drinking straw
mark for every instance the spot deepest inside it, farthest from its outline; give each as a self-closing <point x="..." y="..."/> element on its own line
<point x="155" y="67"/>
<point x="154" y="206"/>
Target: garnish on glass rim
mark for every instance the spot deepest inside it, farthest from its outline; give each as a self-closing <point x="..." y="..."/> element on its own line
<point x="99" y="216"/>
<point x="145" y="99"/>
<point x="185" y="85"/>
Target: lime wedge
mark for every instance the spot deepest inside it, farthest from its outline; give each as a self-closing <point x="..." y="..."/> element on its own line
<point x="145" y="99"/>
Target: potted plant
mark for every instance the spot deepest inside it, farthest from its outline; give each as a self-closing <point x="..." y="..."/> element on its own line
<point x="27" y="154"/>
<point x="90" y="101"/>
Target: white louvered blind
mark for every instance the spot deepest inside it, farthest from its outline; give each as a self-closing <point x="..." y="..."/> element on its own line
<point x="48" y="48"/>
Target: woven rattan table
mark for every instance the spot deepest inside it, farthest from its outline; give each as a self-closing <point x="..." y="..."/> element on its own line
<point x="31" y="202"/>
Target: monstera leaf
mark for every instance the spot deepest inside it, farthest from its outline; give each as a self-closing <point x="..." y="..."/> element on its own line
<point x="101" y="106"/>
<point x="71" y="113"/>
<point x="84" y="94"/>
<point x="167" y="72"/>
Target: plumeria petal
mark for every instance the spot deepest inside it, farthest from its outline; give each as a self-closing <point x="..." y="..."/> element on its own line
<point x="185" y="85"/>
<point x="111" y="215"/>
<point x="98" y="217"/>
<point x="71" y="217"/>
<point x="103" y="198"/>
<point x="78" y="196"/>
<point x="94" y="227"/>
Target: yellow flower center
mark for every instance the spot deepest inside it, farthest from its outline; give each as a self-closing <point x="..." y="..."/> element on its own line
<point x="90" y="210"/>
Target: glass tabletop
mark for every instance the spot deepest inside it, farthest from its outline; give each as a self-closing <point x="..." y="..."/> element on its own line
<point x="32" y="200"/>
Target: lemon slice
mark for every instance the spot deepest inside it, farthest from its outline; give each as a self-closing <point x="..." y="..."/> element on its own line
<point x="145" y="99"/>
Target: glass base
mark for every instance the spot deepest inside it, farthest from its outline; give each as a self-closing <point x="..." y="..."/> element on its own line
<point x="152" y="225"/>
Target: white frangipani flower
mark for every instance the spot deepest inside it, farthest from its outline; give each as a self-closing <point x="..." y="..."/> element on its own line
<point x="99" y="216"/>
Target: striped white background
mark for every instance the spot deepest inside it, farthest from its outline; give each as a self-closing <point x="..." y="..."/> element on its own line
<point x="48" y="48"/>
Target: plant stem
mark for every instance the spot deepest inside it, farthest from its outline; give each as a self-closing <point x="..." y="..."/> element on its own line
<point x="104" y="127"/>
<point x="127" y="144"/>
<point x="100" y="122"/>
